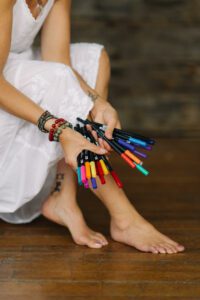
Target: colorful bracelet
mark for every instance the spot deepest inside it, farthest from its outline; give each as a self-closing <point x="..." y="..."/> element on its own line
<point x="56" y="129"/>
<point x="43" y="119"/>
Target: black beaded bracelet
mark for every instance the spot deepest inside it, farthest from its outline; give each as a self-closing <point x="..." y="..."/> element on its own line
<point x="43" y="119"/>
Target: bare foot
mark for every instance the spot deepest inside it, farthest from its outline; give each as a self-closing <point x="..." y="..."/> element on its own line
<point x="71" y="217"/>
<point x="139" y="233"/>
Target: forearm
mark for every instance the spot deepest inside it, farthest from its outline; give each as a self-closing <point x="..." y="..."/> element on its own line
<point x="87" y="89"/>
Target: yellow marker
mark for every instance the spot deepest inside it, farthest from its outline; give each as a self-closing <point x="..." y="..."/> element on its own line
<point x="87" y="169"/>
<point x="93" y="169"/>
<point x="105" y="170"/>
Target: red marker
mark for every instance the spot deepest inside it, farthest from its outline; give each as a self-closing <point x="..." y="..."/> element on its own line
<point x="112" y="172"/>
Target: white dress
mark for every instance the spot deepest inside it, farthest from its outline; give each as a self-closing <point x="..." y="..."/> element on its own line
<point x="27" y="159"/>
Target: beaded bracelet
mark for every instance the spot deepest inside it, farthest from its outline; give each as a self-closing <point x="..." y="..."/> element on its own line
<point x="43" y="119"/>
<point x="57" y="127"/>
<point x="54" y="128"/>
<point x="56" y="135"/>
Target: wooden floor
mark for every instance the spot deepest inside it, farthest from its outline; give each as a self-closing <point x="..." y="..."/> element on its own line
<point x="40" y="261"/>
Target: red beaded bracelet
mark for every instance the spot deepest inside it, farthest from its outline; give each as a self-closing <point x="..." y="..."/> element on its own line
<point x="54" y="127"/>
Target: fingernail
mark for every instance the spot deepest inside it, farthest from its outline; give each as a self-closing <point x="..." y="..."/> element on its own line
<point x="103" y="151"/>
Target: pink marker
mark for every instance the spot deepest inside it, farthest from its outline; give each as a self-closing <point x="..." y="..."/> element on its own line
<point x="83" y="174"/>
<point x="86" y="184"/>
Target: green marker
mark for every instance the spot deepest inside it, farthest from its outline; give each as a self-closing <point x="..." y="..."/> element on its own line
<point x="142" y="170"/>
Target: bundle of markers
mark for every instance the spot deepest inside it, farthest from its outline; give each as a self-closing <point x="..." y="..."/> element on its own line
<point x="126" y="144"/>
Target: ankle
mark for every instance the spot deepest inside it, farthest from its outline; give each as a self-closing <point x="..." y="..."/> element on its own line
<point x="124" y="220"/>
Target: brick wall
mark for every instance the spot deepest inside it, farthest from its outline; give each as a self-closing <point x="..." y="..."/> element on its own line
<point x="154" y="48"/>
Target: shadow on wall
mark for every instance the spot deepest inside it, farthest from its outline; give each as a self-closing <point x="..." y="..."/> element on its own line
<point x="154" y="47"/>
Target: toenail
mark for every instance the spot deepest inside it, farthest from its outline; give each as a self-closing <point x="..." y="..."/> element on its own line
<point x="98" y="244"/>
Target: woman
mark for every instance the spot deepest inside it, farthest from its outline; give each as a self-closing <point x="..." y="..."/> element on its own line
<point x="69" y="80"/>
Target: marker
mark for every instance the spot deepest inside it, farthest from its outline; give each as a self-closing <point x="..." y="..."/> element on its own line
<point x="91" y="154"/>
<point x="130" y="147"/>
<point x="120" y="150"/>
<point x="104" y="168"/>
<point x="93" y="170"/>
<point x="129" y="140"/>
<point x="100" y="171"/>
<point x="98" y="165"/>
<point x="94" y="183"/>
<point x="86" y="184"/>
<point x="92" y="165"/>
<point x="113" y="173"/>
<point x="87" y="164"/>
<point x="125" y="154"/>
<point x="78" y="169"/>
<point x="131" y="134"/>
<point x="96" y="158"/>
<point x="83" y="174"/>
<point x="142" y="169"/>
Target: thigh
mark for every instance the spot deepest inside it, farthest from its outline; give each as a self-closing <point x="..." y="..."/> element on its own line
<point x="85" y="60"/>
<point x="26" y="153"/>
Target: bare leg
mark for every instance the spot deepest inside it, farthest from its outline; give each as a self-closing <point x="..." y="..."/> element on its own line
<point x="128" y="226"/>
<point x="62" y="208"/>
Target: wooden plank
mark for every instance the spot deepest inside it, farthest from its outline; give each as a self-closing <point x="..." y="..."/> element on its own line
<point x="40" y="260"/>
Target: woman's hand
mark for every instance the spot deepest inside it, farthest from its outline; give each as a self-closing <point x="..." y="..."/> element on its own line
<point x="73" y="143"/>
<point x="104" y="113"/>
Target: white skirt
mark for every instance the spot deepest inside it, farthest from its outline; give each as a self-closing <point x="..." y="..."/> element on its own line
<point x="28" y="161"/>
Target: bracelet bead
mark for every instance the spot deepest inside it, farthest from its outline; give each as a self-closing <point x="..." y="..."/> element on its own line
<point x="56" y="129"/>
<point x="43" y="119"/>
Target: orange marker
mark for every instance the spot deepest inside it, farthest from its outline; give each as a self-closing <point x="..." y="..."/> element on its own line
<point x="87" y="170"/>
<point x="133" y="157"/>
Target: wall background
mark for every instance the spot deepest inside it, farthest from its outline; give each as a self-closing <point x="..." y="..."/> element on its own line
<point x="154" y="47"/>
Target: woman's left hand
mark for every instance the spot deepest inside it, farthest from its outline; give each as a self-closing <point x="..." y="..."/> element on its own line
<point x="104" y="113"/>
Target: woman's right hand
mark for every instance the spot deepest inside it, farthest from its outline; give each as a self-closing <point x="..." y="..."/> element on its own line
<point x="73" y="143"/>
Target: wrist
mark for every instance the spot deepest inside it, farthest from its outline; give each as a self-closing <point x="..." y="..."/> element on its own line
<point x="49" y="123"/>
<point x="65" y="134"/>
<point x="93" y="95"/>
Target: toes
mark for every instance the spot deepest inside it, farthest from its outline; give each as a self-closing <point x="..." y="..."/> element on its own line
<point x="94" y="243"/>
<point x="169" y="248"/>
<point x="102" y="238"/>
<point x="87" y="241"/>
<point x="160" y="249"/>
<point x="153" y="250"/>
<point x="178" y="246"/>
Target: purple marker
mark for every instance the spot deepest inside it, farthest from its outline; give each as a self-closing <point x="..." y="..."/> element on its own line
<point x="144" y="155"/>
<point x="94" y="183"/>
<point x="125" y="144"/>
<point x="131" y="148"/>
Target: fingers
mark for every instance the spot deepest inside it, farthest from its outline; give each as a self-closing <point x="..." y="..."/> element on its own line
<point x="110" y="127"/>
<point x="107" y="146"/>
<point x="96" y="149"/>
<point x="118" y="125"/>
